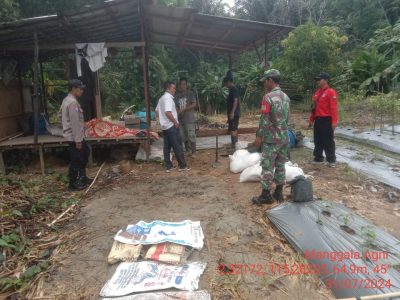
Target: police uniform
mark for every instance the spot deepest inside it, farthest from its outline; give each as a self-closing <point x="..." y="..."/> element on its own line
<point x="74" y="132"/>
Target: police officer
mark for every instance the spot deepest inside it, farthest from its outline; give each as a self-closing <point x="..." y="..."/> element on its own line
<point x="324" y="117"/>
<point x="74" y="132"/>
<point x="272" y="136"/>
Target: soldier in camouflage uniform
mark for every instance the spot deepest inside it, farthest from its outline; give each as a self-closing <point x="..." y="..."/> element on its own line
<point x="272" y="137"/>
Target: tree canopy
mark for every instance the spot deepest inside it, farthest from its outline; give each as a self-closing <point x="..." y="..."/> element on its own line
<point x="357" y="41"/>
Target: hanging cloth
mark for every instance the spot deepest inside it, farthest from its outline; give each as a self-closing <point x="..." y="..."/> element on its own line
<point x="94" y="53"/>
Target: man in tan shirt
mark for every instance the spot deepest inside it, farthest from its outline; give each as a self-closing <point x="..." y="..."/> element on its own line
<point x="74" y="132"/>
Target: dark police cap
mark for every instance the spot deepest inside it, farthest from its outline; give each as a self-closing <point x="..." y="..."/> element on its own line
<point x="322" y="75"/>
<point x="228" y="77"/>
<point x="75" y="83"/>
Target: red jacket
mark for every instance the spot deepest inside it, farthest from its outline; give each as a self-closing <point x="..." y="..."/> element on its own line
<point x="326" y="105"/>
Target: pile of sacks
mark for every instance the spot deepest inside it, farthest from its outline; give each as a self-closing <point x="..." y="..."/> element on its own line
<point x="165" y="248"/>
<point x="249" y="165"/>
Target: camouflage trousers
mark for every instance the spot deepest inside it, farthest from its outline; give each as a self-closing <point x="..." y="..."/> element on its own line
<point x="273" y="164"/>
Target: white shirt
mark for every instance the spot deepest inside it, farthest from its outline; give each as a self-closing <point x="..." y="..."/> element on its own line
<point x="166" y="103"/>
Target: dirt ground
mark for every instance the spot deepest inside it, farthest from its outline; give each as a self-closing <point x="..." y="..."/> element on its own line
<point x="236" y="232"/>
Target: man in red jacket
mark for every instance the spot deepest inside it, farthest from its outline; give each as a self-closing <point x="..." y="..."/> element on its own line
<point x="324" y="116"/>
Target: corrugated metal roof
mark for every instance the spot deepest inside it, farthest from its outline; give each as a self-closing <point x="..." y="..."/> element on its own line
<point x="185" y="27"/>
<point x="120" y="21"/>
<point x="111" y="21"/>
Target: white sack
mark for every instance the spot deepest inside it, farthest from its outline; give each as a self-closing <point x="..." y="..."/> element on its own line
<point x="292" y="171"/>
<point x="133" y="277"/>
<point x="241" y="161"/>
<point x="252" y="173"/>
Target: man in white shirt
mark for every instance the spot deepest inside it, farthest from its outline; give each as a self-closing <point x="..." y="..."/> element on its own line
<point x="168" y="118"/>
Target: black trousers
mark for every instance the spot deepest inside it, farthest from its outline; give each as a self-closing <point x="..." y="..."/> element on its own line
<point x="323" y="139"/>
<point x="78" y="161"/>
<point x="172" y="139"/>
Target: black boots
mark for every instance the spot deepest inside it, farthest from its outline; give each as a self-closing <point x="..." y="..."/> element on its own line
<point x="76" y="186"/>
<point x="85" y="180"/>
<point x="278" y="195"/>
<point x="264" y="198"/>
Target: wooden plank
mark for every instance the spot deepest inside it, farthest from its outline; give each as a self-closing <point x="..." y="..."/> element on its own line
<point x="214" y="132"/>
<point x="129" y="45"/>
<point x="11" y="136"/>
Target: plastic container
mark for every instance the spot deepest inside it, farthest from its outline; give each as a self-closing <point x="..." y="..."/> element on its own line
<point x="292" y="138"/>
<point x="41" y="124"/>
<point x="143" y="125"/>
<point x="142" y="115"/>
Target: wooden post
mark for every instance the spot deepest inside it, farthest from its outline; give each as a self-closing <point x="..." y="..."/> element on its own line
<point x="21" y="87"/>
<point x="41" y="156"/>
<point x="2" y="166"/>
<point x="67" y="65"/>
<point x="145" y="56"/>
<point x="257" y="52"/>
<point x="147" y="97"/>
<point x="97" y="96"/>
<point x="44" y="98"/>
<point x="266" y="64"/>
<point x="35" y="88"/>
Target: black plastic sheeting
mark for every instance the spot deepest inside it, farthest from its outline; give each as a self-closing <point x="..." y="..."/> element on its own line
<point x="370" y="256"/>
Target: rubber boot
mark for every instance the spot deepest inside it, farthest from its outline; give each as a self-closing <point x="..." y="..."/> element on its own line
<point x="264" y="198"/>
<point x="83" y="178"/>
<point x="76" y="186"/>
<point x="278" y="194"/>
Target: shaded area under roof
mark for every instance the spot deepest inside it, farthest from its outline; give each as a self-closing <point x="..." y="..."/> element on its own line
<point x="121" y="21"/>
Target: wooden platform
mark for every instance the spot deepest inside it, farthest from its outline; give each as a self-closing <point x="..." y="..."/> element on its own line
<point x="51" y="141"/>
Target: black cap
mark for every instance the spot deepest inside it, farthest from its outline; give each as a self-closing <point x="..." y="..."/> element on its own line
<point x="322" y="75"/>
<point x="75" y="83"/>
<point x="228" y="77"/>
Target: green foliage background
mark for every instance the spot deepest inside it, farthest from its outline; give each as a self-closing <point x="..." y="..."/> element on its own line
<point x="356" y="41"/>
